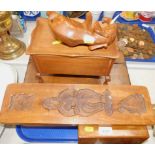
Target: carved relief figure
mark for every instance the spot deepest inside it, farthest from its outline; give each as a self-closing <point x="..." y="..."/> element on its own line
<point x="21" y="102"/>
<point x="86" y="102"/>
<point x="83" y="102"/>
<point x="133" y="104"/>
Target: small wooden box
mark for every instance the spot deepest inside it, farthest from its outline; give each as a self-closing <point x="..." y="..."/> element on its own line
<point x="62" y="59"/>
<point x="118" y="134"/>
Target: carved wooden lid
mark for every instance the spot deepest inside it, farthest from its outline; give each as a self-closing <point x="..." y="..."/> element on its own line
<point x="42" y="43"/>
<point x="68" y="104"/>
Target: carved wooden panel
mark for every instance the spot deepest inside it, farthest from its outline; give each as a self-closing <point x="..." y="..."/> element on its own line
<point x="76" y="104"/>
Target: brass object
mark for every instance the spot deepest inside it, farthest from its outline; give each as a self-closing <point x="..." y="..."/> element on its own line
<point x="10" y="47"/>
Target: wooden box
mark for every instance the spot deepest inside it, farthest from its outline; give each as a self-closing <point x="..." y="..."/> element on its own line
<point x="62" y="59"/>
<point x="112" y="135"/>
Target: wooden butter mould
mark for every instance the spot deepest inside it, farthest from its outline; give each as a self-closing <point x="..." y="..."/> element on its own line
<point x="68" y="104"/>
<point x="62" y="59"/>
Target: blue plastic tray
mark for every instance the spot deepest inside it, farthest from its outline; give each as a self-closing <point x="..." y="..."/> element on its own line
<point x="142" y="26"/>
<point x="48" y="134"/>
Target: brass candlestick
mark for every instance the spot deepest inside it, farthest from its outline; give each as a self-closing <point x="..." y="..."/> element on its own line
<point x="10" y="47"/>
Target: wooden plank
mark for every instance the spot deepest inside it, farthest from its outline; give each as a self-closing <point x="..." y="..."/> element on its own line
<point x="89" y="134"/>
<point x="33" y="107"/>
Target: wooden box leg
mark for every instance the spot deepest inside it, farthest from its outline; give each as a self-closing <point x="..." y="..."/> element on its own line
<point x="38" y="76"/>
<point x="107" y="79"/>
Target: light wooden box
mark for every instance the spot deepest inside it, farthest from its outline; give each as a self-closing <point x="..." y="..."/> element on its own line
<point x="61" y="59"/>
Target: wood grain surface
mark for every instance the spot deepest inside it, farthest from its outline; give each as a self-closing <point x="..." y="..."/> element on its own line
<point x="89" y="134"/>
<point x="49" y="64"/>
<point x="119" y="75"/>
<point x="37" y="114"/>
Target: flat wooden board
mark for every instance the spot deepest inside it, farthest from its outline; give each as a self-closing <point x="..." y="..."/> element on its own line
<point x="32" y="110"/>
<point x="42" y="38"/>
<point x="90" y="134"/>
<point x="96" y="131"/>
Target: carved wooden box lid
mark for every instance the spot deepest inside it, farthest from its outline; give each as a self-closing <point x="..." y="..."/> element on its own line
<point x="68" y="104"/>
<point x="42" y="43"/>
